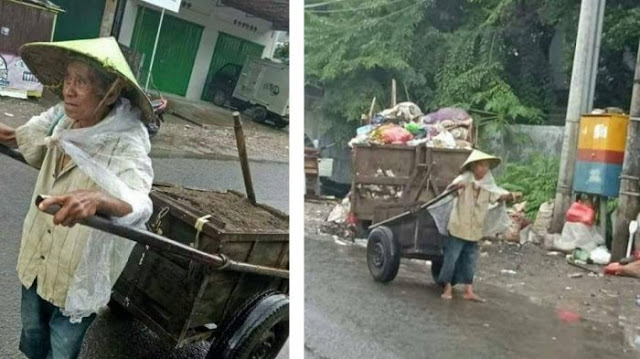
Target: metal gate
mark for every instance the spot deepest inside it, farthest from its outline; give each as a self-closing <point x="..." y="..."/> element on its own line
<point x="229" y="49"/>
<point x="177" y="49"/>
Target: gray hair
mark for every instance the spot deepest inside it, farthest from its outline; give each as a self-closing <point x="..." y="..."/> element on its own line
<point x="104" y="77"/>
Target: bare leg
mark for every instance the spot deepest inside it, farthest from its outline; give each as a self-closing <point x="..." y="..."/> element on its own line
<point x="448" y="292"/>
<point x="469" y="294"/>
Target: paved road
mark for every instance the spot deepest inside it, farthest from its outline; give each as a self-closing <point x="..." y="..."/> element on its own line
<point x="111" y="337"/>
<point x="348" y="315"/>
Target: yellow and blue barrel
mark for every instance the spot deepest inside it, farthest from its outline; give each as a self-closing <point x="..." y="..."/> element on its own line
<point x="601" y="145"/>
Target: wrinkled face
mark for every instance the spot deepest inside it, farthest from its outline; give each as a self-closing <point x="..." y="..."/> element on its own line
<point x="480" y="169"/>
<point x="82" y="92"/>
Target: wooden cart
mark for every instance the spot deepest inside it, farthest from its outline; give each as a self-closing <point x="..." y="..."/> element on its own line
<point x="410" y="175"/>
<point x="245" y="315"/>
<point x="412" y="234"/>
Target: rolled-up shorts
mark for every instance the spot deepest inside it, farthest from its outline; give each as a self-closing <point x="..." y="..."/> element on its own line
<point x="459" y="264"/>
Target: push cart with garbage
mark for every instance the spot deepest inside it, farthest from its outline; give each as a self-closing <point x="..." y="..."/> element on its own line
<point x="389" y="179"/>
<point x="211" y="266"/>
<point x="242" y="310"/>
<point x="412" y="234"/>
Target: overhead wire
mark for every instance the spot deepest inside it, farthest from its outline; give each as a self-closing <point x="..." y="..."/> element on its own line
<point x="385" y="16"/>
<point x="353" y="9"/>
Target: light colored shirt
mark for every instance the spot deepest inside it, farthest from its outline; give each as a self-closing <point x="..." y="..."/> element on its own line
<point x="49" y="253"/>
<point x="469" y="212"/>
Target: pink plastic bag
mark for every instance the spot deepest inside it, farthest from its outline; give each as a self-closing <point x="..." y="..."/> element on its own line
<point x="396" y="135"/>
<point x="581" y="213"/>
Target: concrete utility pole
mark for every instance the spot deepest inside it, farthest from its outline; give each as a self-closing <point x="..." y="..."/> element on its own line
<point x="629" y="199"/>
<point x="583" y="77"/>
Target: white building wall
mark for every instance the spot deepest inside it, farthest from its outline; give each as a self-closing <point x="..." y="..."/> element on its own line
<point x="215" y="19"/>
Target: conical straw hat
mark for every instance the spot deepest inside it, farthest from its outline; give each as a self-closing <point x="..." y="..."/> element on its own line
<point x="48" y="61"/>
<point x="476" y="156"/>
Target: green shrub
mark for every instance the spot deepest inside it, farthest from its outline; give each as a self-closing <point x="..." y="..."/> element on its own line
<point x="536" y="179"/>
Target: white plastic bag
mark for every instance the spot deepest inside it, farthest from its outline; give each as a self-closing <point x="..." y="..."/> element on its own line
<point x="600" y="255"/>
<point x="578" y="235"/>
<point x="497" y="220"/>
<point x="124" y="173"/>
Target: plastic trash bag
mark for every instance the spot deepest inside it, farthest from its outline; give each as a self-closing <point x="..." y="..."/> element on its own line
<point x="497" y="221"/>
<point x="578" y="235"/>
<point x="446" y="113"/>
<point x="393" y="135"/>
<point x="105" y="254"/>
<point x="581" y="212"/>
<point x="600" y="255"/>
<point x="443" y="140"/>
<point x="404" y="111"/>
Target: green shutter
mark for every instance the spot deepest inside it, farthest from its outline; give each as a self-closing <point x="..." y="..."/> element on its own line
<point x="176" y="53"/>
<point x="229" y="49"/>
<point x="81" y="19"/>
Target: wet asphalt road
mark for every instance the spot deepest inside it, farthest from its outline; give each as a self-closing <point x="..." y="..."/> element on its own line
<point x="111" y="337"/>
<point x="348" y="315"/>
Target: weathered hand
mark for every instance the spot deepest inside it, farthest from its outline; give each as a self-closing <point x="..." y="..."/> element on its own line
<point x="75" y="206"/>
<point x="7" y="133"/>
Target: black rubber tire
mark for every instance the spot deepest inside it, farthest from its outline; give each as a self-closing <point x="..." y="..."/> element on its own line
<point x="383" y="254"/>
<point x="258" y="114"/>
<point x="260" y="334"/>
<point x="280" y="123"/>
<point x="219" y="98"/>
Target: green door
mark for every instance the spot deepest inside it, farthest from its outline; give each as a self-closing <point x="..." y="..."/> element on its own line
<point x="229" y="49"/>
<point x="176" y="53"/>
<point x="80" y="19"/>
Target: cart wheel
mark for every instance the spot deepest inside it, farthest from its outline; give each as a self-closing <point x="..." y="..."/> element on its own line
<point x="219" y="98"/>
<point x="259" y="335"/>
<point x="383" y="254"/>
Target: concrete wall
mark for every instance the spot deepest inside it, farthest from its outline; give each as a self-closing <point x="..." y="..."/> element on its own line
<point x="215" y="19"/>
<point x="524" y="140"/>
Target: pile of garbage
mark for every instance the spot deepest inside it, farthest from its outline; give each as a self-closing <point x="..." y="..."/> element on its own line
<point x="387" y="192"/>
<point x="337" y="223"/>
<point x="405" y="124"/>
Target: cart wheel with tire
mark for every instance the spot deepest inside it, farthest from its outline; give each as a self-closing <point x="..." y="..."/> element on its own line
<point x="257" y="332"/>
<point x="383" y="254"/>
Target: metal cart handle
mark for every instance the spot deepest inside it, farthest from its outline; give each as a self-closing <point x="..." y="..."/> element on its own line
<point x="155" y="241"/>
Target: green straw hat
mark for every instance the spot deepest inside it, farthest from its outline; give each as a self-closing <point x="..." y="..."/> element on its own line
<point x="476" y="156"/>
<point x="48" y="61"/>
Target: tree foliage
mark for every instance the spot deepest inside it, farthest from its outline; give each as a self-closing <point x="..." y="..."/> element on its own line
<point x="489" y="56"/>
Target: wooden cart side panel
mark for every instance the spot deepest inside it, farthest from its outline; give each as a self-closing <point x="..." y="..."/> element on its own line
<point x="399" y="159"/>
<point x="442" y="164"/>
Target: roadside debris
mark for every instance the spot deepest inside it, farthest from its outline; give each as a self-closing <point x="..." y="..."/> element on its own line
<point x="508" y="271"/>
<point x="568" y="316"/>
<point x="336" y="223"/>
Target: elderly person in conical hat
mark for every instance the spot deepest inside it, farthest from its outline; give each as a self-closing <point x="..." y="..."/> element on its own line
<point x="477" y="192"/>
<point x="92" y="153"/>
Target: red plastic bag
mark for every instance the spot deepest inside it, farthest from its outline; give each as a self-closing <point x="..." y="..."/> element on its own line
<point x="396" y="135"/>
<point x="581" y="213"/>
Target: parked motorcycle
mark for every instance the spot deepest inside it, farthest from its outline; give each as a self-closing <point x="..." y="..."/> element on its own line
<point x="159" y="106"/>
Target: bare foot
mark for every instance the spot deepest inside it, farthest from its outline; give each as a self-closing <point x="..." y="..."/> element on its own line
<point x="446" y="296"/>
<point x="473" y="297"/>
